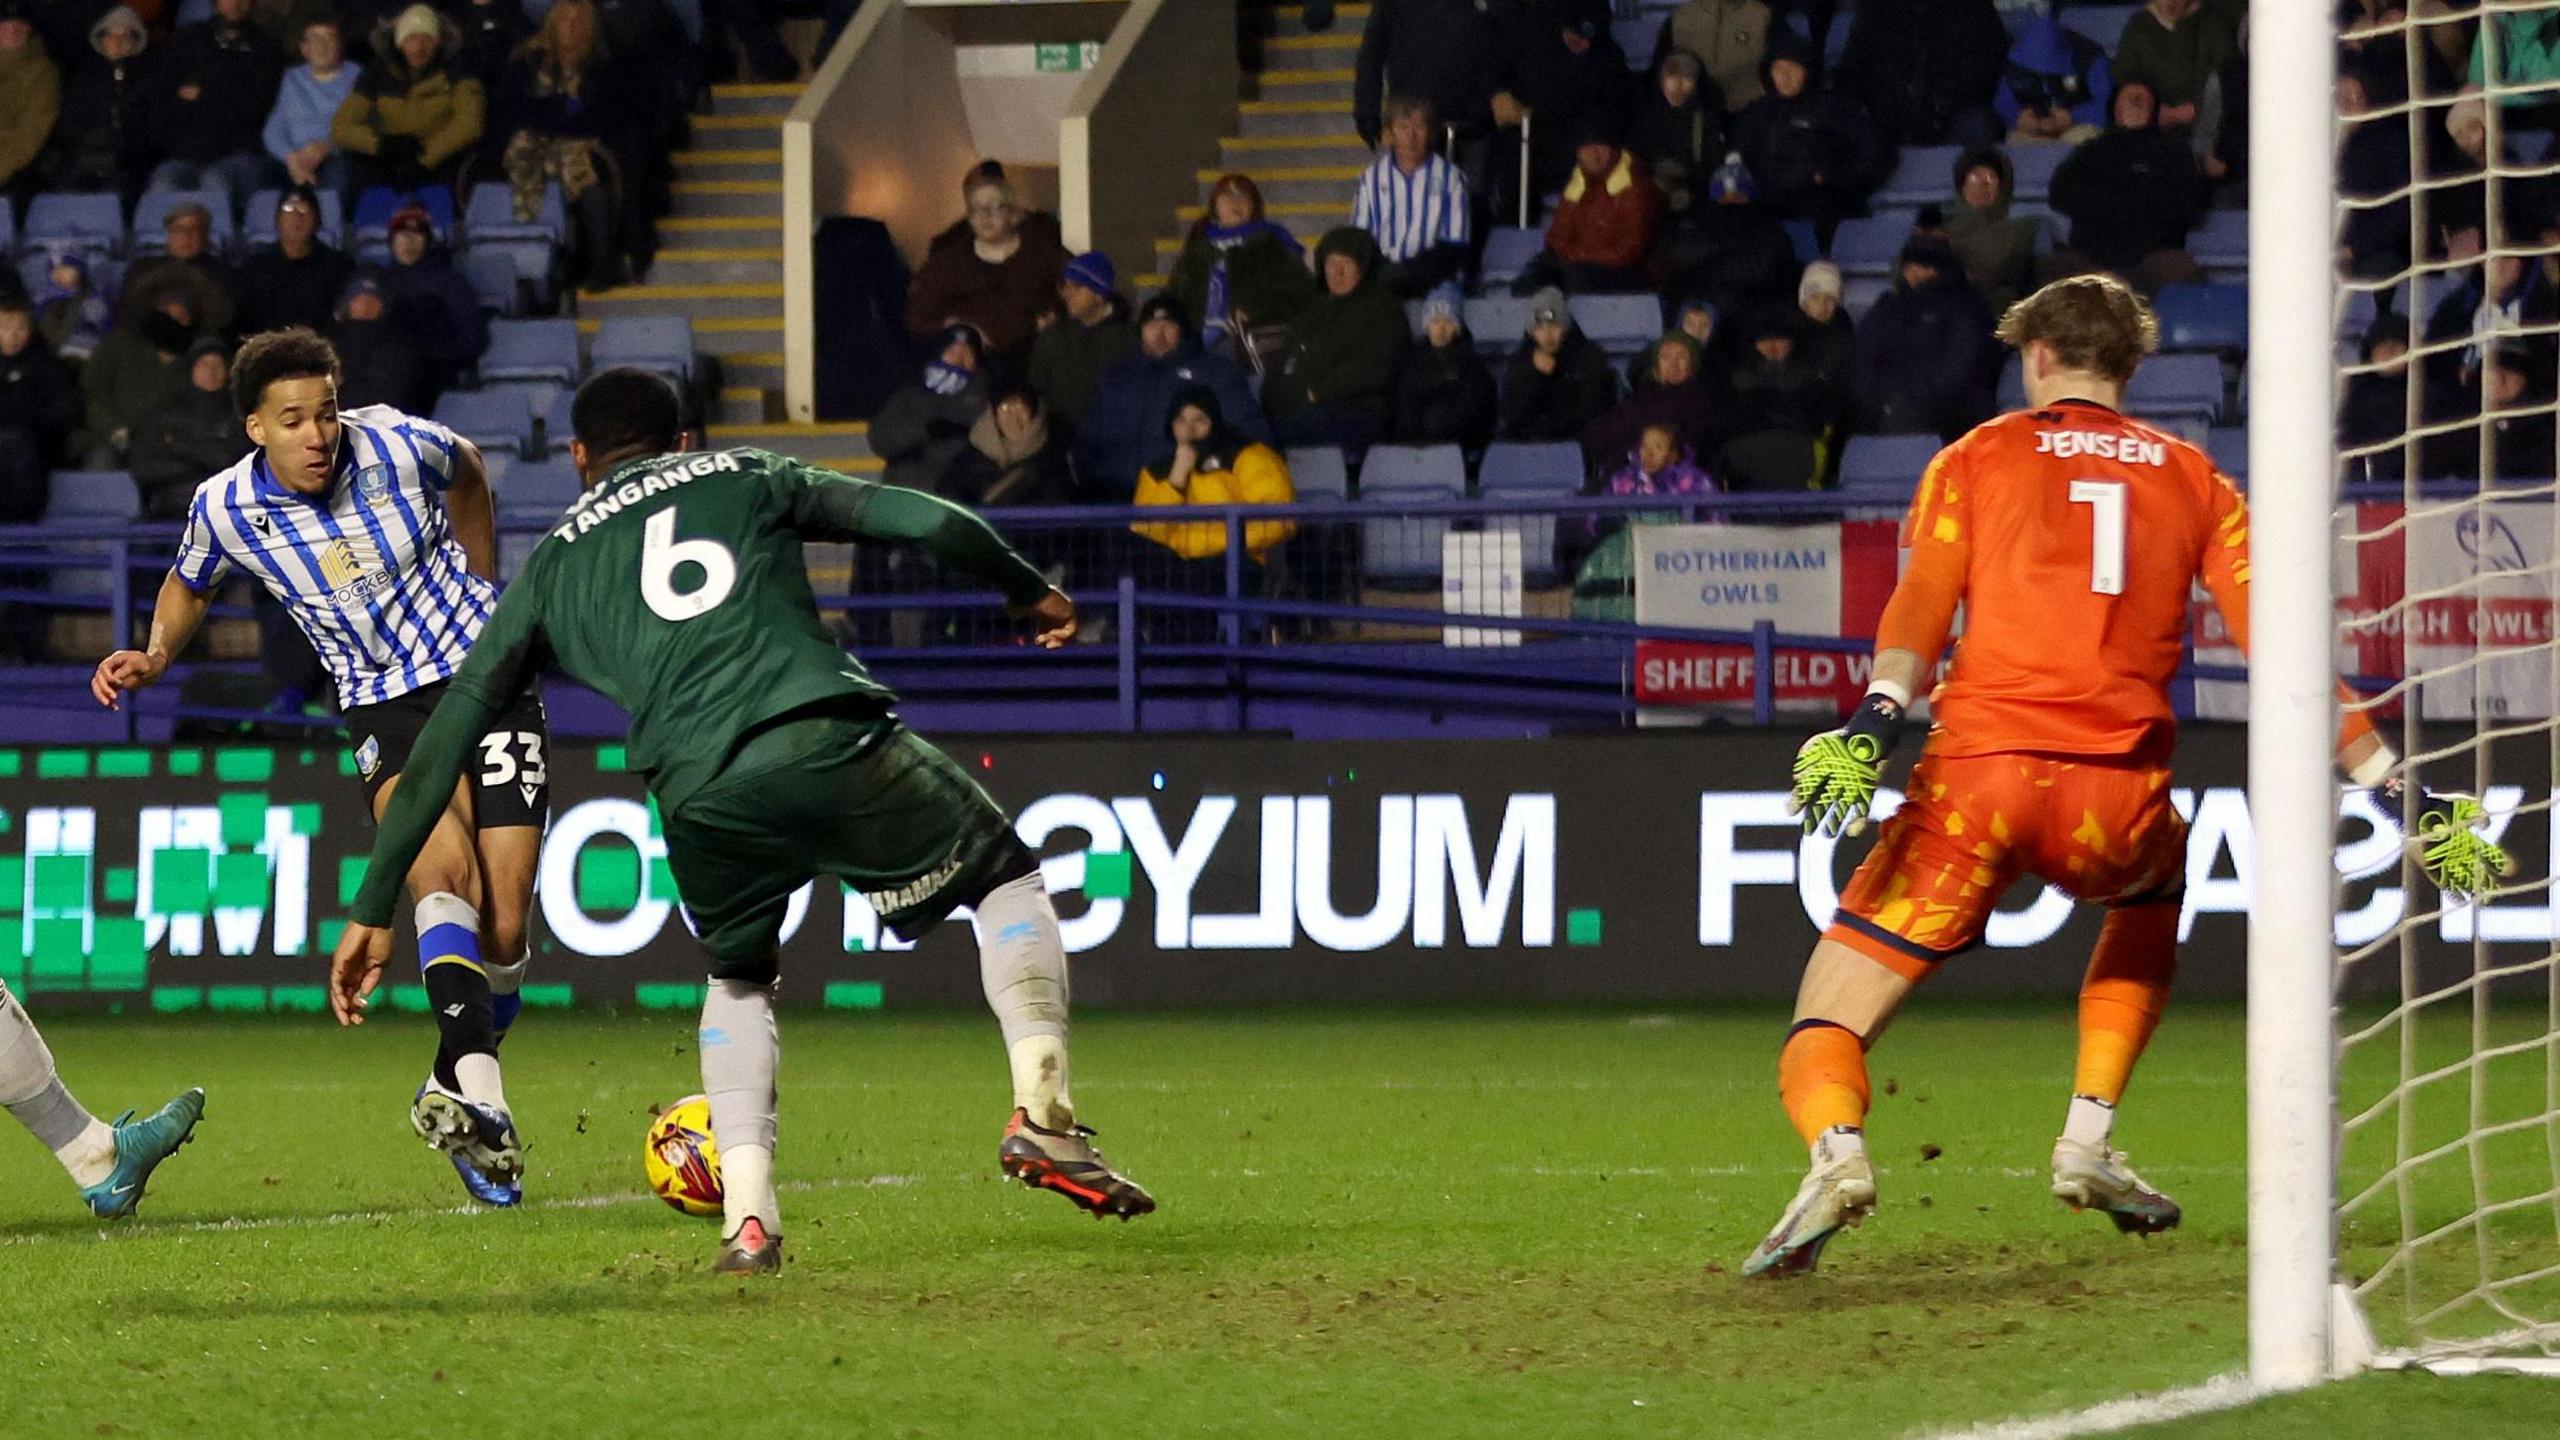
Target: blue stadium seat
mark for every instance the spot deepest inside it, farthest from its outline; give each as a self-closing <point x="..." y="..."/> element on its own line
<point x="151" y="219"/>
<point x="493" y="279"/>
<point x="2203" y="317"/>
<point x="1319" y="473"/>
<point x="1508" y="251"/>
<point x="89" y="497"/>
<point x="375" y="207"/>
<point x="531" y="350"/>
<point x="8" y="224"/>
<point x="1518" y="467"/>
<point x="1439" y="468"/>
<point x="1500" y="323"/>
<point x="490" y="419"/>
<point x="1801" y="234"/>
<point x="659" y="343"/>
<point x="2102" y="23"/>
<point x="491" y="215"/>
<point x="537" y="264"/>
<point x="1886" y="464"/>
<point x="2171" y="386"/>
<point x="1402" y="551"/>
<point x="557" y="430"/>
<point x="2032" y="165"/>
<point x="1859" y="293"/>
<point x="1924" y="176"/>
<point x="2221" y="243"/>
<point x="258" y="219"/>
<point x="2229" y="447"/>
<point x="539" y="487"/>
<point x="93" y="224"/>
<point x="1619" y="324"/>
<point x="1869" y="245"/>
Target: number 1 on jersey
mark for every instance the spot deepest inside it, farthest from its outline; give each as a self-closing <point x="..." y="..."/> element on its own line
<point x="661" y="552"/>
<point x="2105" y="499"/>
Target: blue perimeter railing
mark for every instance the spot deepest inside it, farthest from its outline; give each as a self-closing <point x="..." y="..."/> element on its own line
<point x="142" y="550"/>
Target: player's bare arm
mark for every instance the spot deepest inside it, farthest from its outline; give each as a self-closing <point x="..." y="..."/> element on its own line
<point x="175" y="618"/>
<point x="474" y="512"/>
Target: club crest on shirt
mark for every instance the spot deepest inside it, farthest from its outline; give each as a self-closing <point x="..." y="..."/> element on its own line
<point x="369" y="756"/>
<point x="373" y="484"/>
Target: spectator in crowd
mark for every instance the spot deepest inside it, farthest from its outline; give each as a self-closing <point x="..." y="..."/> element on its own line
<point x="2175" y="47"/>
<point x="1208" y="462"/>
<point x="1446" y="53"/>
<point x="39" y="410"/>
<point x="1605" y="227"/>
<point x="2458" y="195"/>
<point x="298" y="280"/>
<point x="1925" y="70"/>
<point x="432" y="299"/>
<point x="218" y="80"/>
<point x="1924" y="358"/>
<point x="1444" y="394"/>
<point x="193" y="435"/>
<point x="1014" y="456"/>
<point x="2528" y="55"/>
<point x="1680" y="392"/>
<point x="2373" y="162"/>
<point x="307" y="101"/>
<point x="998" y="283"/>
<point x="1334" y="382"/>
<point x="107" y="138"/>
<point x="411" y="116"/>
<point x="1825" y="337"/>
<point x="72" y="314"/>
<point x="1238" y="270"/>
<point x="2503" y="296"/>
<point x="1814" y="155"/>
<point x="2513" y="438"/>
<point x="1783" y="409"/>
<point x="1730" y="251"/>
<point x="1558" y="383"/>
<point x="752" y="22"/>
<point x="1701" y="321"/>
<point x="134" y="373"/>
<point x="1678" y="132"/>
<point x="188" y="267"/>
<point x="558" y="107"/>
<point x="1091" y="334"/>
<point x="1125" y="423"/>
<point x="30" y="102"/>
<point x="2221" y="136"/>
<point x="923" y="429"/>
<point x="1730" y="38"/>
<point x="1998" y="249"/>
<point x="2375" y="409"/>
<point x="491" y="33"/>
<point x="2131" y="195"/>
<point x="378" y="361"/>
<point x="2056" y="85"/>
<point x="1414" y="204"/>
<point x="1661" y="462"/>
<point x="1563" y="69"/>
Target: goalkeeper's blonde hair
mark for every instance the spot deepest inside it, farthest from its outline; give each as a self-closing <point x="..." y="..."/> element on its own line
<point x="2093" y="322"/>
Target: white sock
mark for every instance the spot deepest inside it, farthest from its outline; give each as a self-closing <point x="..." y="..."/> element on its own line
<point x="741" y="1056"/>
<point x="746" y="1191"/>
<point x="1837" y="1143"/>
<point x="1022" y="964"/>
<point x="2089" y="1121"/>
<point x="34" y="1093"/>
<point x="478" y="1075"/>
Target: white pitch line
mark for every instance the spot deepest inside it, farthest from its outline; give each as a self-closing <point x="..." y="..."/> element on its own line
<point x="2222" y="1392"/>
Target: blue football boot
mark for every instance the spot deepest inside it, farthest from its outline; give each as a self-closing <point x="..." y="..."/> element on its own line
<point x="140" y="1147"/>
<point x="480" y="1140"/>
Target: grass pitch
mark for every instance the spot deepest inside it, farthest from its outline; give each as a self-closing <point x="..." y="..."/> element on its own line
<point x="1398" y="1224"/>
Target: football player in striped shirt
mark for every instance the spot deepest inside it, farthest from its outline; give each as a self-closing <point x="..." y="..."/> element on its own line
<point x="376" y="532"/>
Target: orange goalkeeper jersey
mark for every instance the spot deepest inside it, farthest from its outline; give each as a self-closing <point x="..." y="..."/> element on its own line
<point x="2073" y="538"/>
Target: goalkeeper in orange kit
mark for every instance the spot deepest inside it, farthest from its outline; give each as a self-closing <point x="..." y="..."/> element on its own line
<point x="2071" y="537"/>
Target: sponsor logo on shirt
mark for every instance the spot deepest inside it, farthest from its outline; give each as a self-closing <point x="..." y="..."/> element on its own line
<point x="353" y="569"/>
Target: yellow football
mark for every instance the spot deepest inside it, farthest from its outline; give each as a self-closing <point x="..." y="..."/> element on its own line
<point x="682" y="1160"/>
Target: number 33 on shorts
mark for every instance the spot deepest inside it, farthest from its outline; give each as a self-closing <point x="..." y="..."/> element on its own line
<point x="514" y="757"/>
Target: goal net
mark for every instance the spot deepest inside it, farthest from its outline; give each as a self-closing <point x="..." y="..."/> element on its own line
<point x="2445" y="562"/>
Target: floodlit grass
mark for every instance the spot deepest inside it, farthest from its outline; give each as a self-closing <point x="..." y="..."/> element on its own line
<point x="1395" y="1224"/>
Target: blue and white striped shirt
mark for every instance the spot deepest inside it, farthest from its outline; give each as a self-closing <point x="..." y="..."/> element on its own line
<point x="370" y="569"/>
<point x="1409" y="214"/>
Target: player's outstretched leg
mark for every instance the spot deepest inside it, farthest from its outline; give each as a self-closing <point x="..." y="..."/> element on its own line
<point x="741" y="1054"/>
<point x="2120" y="1003"/>
<point x="1822" y="1076"/>
<point x="1023" y="963"/>
<point x="462" y="1110"/>
<point x="110" y="1163"/>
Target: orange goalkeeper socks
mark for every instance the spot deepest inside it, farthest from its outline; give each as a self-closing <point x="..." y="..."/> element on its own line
<point x="2121" y="1000"/>
<point x="1822" y="1077"/>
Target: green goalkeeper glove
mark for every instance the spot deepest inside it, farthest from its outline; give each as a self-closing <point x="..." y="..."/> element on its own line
<point x="2448" y="831"/>
<point x="1837" y="772"/>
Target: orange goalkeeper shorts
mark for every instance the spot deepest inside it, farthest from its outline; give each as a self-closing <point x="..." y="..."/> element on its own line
<point x="1972" y="824"/>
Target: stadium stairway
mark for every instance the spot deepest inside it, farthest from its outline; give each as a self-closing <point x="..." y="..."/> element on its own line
<point x="719" y="265"/>
<point x="1298" y="144"/>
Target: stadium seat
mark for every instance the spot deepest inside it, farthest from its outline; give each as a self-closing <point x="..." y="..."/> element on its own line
<point x="660" y="343"/>
<point x="491" y="215"/>
<point x="1319" y="473"/>
<point x="1801" y="234"/>
<point x="1439" y="468"/>
<point x="2221" y="242"/>
<point x="557" y="430"/>
<point x="490" y="419"/>
<point x="493" y="278"/>
<point x="1500" y="323"/>
<point x="539" y="487"/>
<point x="2170" y="386"/>
<point x="1619" y="324"/>
<point x="1870" y="244"/>
<point x="2203" y="317"/>
<point x="2229" y="447"/>
<point x="258" y="220"/>
<point x="2102" y="23"/>
<point x="1925" y="176"/>
<point x="375" y="207"/>
<point x="8" y="224"/>
<point x="531" y="350"/>
<point x="151" y="219"/>
<point x="2032" y="165"/>
<point x="1518" y="467"/>
<point x="1508" y="251"/>
<point x="1859" y="293"/>
<point x="93" y="224"/>
<point x="89" y="497"/>
<point x="1402" y="551"/>
<point x="536" y="262"/>
<point x="1886" y="464"/>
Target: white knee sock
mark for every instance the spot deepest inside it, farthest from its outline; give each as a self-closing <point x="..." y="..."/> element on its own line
<point x="1022" y="962"/>
<point x="35" y="1095"/>
<point x="741" y="1051"/>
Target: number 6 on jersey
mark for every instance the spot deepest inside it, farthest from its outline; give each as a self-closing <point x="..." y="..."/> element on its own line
<point x="661" y="552"/>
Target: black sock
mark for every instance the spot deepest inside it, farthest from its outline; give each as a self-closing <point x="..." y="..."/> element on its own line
<point x="459" y="994"/>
